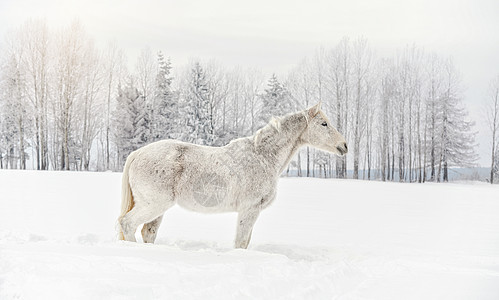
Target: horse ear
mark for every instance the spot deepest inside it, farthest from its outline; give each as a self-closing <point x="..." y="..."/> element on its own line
<point x="314" y="110"/>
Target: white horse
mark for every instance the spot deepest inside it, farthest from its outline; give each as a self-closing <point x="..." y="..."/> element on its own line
<point x="239" y="177"/>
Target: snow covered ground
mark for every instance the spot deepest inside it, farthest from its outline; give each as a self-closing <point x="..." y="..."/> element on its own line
<point x="321" y="239"/>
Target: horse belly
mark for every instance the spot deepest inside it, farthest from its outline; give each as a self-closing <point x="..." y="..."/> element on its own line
<point x="206" y="191"/>
<point x="205" y="203"/>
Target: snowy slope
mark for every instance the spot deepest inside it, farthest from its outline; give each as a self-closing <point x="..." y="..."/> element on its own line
<point x="321" y="239"/>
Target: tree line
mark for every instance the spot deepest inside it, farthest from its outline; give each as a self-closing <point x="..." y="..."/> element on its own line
<point x="66" y="105"/>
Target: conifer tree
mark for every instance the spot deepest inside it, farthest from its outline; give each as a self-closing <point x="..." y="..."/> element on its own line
<point x="197" y="106"/>
<point x="165" y="125"/>
<point x="275" y="101"/>
<point x="131" y="121"/>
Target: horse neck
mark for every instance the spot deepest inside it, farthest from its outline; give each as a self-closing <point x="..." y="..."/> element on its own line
<point x="281" y="144"/>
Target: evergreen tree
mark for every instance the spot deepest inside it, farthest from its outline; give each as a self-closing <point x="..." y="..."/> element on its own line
<point x="198" y="117"/>
<point x="276" y="101"/>
<point x="165" y="125"/>
<point x="131" y="121"/>
<point x="456" y="135"/>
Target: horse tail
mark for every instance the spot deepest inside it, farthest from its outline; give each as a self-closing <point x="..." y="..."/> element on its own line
<point x="127" y="202"/>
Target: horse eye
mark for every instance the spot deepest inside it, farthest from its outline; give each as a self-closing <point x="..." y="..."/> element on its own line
<point x="324" y="124"/>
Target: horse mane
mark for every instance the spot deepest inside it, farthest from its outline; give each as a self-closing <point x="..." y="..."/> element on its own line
<point x="274" y="125"/>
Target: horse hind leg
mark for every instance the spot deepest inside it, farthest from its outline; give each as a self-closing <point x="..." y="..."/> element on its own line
<point x="150" y="230"/>
<point x="140" y="214"/>
<point x="132" y="220"/>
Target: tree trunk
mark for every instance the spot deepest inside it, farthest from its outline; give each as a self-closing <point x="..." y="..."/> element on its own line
<point x="299" y="164"/>
<point x="493" y="158"/>
<point x="308" y="162"/>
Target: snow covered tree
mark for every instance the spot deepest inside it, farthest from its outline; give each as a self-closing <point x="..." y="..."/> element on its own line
<point x="36" y="61"/>
<point x="219" y="86"/>
<point x="362" y="61"/>
<point x="165" y="123"/>
<point x="8" y="134"/>
<point x="14" y="113"/>
<point x="113" y="64"/>
<point x="275" y="101"/>
<point x="73" y="47"/>
<point x="386" y="95"/>
<point x="253" y="82"/>
<point x="495" y="168"/>
<point x="432" y="102"/>
<point x="300" y="85"/>
<point x="340" y="66"/>
<point x="492" y="119"/>
<point x="90" y="112"/>
<point x="131" y="123"/>
<point x="199" y="120"/>
<point x="146" y="75"/>
<point x="457" y="137"/>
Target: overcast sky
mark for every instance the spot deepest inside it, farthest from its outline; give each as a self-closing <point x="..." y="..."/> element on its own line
<point x="275" y="35"/>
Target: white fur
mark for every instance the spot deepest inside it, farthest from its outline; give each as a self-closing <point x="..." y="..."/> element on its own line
<point x="239" y="177"/>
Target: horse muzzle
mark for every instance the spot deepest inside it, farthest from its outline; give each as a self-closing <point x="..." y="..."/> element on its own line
<point x="342" y="149"/>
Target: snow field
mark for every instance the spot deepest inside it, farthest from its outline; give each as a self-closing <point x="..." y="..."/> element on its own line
<point x="321" y="239"/>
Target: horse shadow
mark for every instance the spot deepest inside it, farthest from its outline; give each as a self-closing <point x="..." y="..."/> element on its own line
<point x="296" y="252"/>
<point x="292" y="252"/>
<point x="192" y="246"/>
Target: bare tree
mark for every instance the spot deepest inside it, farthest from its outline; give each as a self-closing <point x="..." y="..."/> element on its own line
<point x="114" y="71"/>
<point x="435" y="82"/>
<point x="73" y="48"/>
<point x="253" y="84"/>
<point x="13" y="110"/>
<point x="219" y="86"/>
<point x="90" y="108"/>
<point x="34" y="36"/>
<point x="492" y="119"/>
<point x="362" y="60"/>
<point x="301" y="85"/>
<point x="339" y="77"/>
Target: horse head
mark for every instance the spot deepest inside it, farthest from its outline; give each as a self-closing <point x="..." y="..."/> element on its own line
<point x="321" y="133"/>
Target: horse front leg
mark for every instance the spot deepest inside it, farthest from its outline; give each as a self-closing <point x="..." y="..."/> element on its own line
<point x="245" y="222"/>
